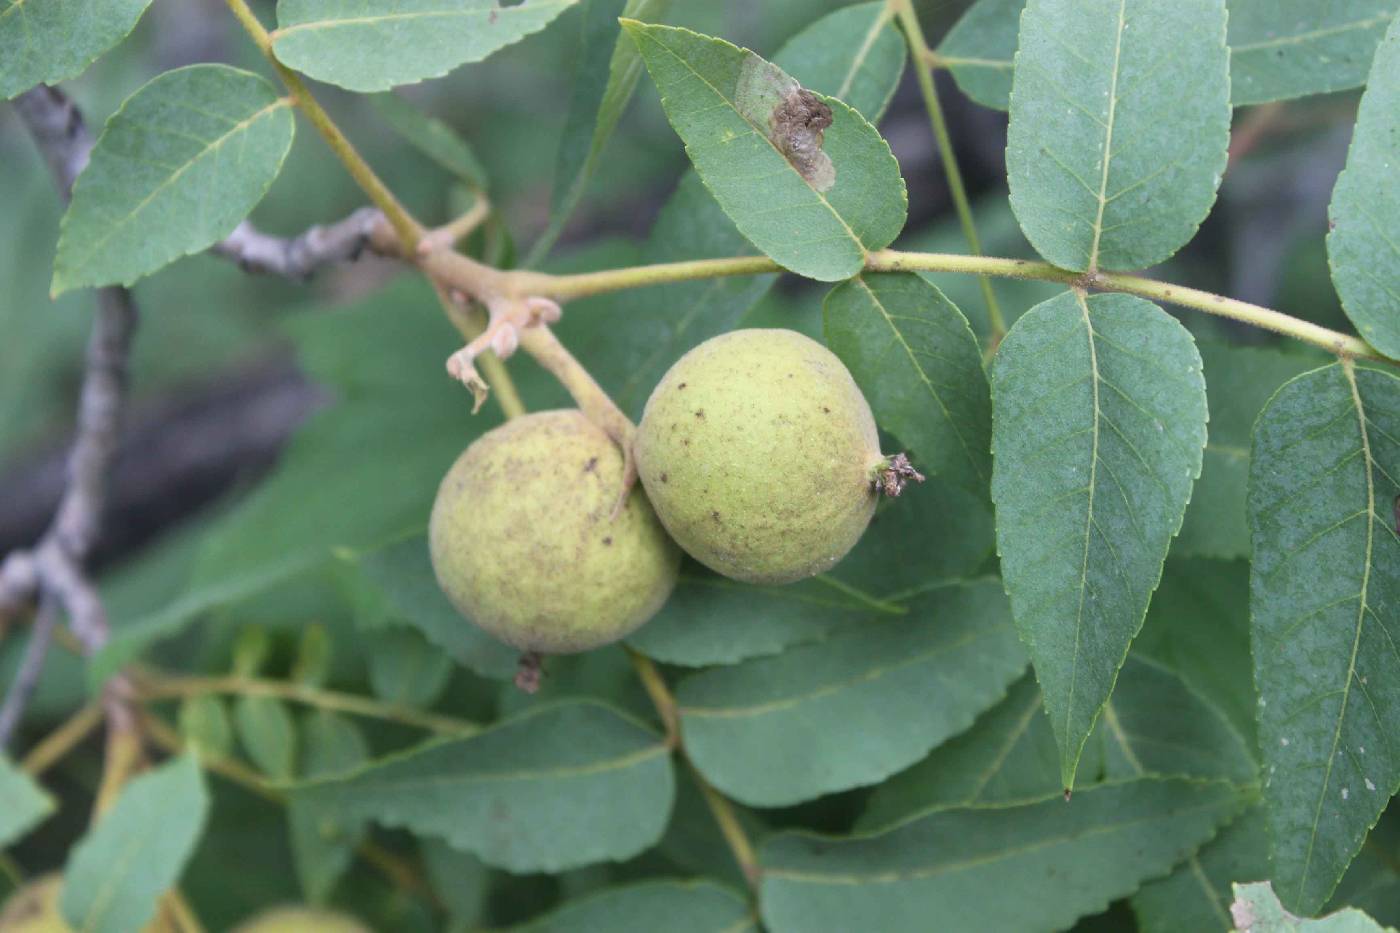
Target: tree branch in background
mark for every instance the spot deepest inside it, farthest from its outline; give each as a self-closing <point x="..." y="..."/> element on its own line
<point x="53" y="573"/>
<point x="300" y="256"/>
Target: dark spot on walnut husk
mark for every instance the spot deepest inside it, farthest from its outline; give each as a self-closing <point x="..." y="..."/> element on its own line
<point x="700" y="413"/>
<point x="664" y="478"/>
<point x="607" y="542"/>
<point x="591" y="465"/>
<point x="681" y="386"/>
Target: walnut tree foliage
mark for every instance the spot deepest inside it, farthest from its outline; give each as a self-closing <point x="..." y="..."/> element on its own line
<point x="1133" y="647"/>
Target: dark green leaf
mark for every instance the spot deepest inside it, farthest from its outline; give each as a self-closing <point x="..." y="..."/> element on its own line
<point x="1325" y="587"/>
<point x="394" y="585"/>
<point x="459" y="878"/>
<point x="23" y="803"/>
<point x="432" y="137"/>
<point x="851" y="710"/>
<point x="1197" y="894"/>
<point x="604" y="79"/>
<point x="1099" y="420"/>
<point x="1239" y="380"/>
<point x="48" y="41"/>
<point x="713" y="620"/>
<point x="817" y="214"/>
<point x="1120" y="121"/>
<point x="554" y="788"/>
<point x="853" y="54"/>
<point x="1288" y="48"/>
<point x="978" y="50"/>
<point x="176" y="168"/>
<point x="374" y="45"/>
<point x="205" y="725"/>
<point x="1034" y="865"/>
<point x="299" y="516"/>
<point x="673" y="906"/>
<point x="405" y="669"/>
<point x="1155" y="725"/>
<point x="119" y="870"/>
<point x="914" y="356"/>
<point x="1364" y="245"/>
<point x="1198" y="626"/>
<point x="1259" y="910"/>
<point x="268" y="735"/>
<point x="1372" y="882"/>
<point x="323" y="842"/>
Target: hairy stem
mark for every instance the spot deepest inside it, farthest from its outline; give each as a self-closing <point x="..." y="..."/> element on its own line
<point x="919" y="52"/>
<point x="563" y="287"/>
<point x="157" y="688"/>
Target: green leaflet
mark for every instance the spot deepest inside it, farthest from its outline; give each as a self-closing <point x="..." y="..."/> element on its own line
<point x="323" y="843"/>
<point x="1197" y="894"/>
<point x="815" y="207"/>
<point x="1099" y="419"/>
<point x="268" y="735"/>
<point x="1257" y="909"/>
<point x="394" y="586"/>
<point x="187" y="156"/>
<point x="118" y="871"/>
<point x="979" y="49"/>
<point x="849" y="711"/>
<point x="1364" y="245"/>
<point x="556" y="787"/>
<point x="1325" y="587"/>
<point x="713" y="620"/>
<point x="432" y="137"/>
<point x="23" y="803"/>
<point x="914" y="356"/>
<point x="405" y="669"/>
<point x="1279" y="48"/>
<point x="1120" y="121"/>
<point x="48" y="41"/>
<point x="992" y="868"/>
<point x="1154" y="725"/>
<point x="673" y="906"/>
<point x="1289" y="48"/>
<point x="606" y="76"/>
<point x="374" y="45"/>
<point x="1239" y="381"/>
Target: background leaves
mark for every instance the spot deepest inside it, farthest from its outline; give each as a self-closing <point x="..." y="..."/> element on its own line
<point x="1364" y="245"/>
<point x="375" y="45"/>
<point x="23" y="803"/>
<point x="1288" y="48"/>
<point x="1325" y="585"/>
<point x="116" y="874"/>
<point x="916" y="360"/>
<point x="554" y="788"/>
<point x="47" y="41"/>
<point x="1120" y="120"/>
<point x="1096" y="447"/>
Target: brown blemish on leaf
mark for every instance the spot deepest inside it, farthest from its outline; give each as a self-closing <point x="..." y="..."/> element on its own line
<point x="797" y="126"/>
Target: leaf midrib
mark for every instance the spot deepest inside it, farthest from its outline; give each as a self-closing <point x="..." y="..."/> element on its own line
<point x="1102" y="193"/>
<point x="568" y="771"/>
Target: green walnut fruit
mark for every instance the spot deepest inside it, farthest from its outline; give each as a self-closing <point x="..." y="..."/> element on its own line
<point x="761" y="456"/>
<point x="529" y="540"/>
<point x="297" y="919"/>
